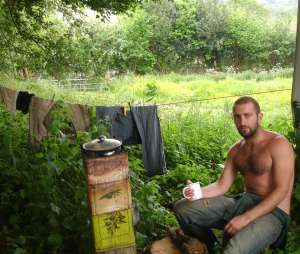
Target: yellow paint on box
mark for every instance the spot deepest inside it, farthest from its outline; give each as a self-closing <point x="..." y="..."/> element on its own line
<point x="113" y="230"/>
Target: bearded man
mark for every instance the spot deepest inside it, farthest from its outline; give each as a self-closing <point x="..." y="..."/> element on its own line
<point x="258" y="217"/>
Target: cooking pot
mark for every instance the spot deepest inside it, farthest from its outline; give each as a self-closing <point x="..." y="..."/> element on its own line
<point x="101" y="147"/>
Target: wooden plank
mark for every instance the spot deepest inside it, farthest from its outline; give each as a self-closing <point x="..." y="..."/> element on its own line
<point x="109" y="197"/>
<point x="113" y="231"/>
<point x="106" y="169"/>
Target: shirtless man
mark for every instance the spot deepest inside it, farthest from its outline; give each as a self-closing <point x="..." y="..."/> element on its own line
<point x="259" y="217"/>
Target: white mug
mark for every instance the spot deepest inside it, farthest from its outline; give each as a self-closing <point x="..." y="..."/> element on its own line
<point x="197" y="192"/>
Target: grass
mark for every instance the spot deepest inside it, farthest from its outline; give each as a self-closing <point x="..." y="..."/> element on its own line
<point x="170" y="88"/>
<point x="196" y="137"/>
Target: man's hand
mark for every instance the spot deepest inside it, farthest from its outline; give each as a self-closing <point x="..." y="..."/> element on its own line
<point x="188" y="193"/>
<point x="236" y="224"/>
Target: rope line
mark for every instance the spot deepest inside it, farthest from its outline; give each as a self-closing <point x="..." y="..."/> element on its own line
<point x="196" y="99"/>
<point x="222" y="97"/>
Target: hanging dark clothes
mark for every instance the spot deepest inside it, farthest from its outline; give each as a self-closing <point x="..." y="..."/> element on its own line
<point x="103" y="112"/>
<point x="124" y="129"/>
<point x="139" y="126"/>
<point x="120" y="126"/>
<point x="23" y="101"/>
<point x="147" y="122"/>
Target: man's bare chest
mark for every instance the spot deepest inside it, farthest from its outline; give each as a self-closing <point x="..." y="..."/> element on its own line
<point x="253" y="161"/>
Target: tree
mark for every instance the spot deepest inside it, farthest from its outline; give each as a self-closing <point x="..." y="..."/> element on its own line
<point x="281" y="40"/>
<point x="212" y="20"/>
<point x="184" y="35"/>
<point x="29" y="16"/>
<point x="162" y="17"/>
<point x="246" y="36"/>
<point x="28" y="19"/>
<point x="136" y="55"/>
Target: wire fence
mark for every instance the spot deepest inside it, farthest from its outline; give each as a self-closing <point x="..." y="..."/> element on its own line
<point x="80" y="85"/>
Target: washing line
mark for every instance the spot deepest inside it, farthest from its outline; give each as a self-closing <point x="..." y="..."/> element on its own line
<point x="218" y="98"/>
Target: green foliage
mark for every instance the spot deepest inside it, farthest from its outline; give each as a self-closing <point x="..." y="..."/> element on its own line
<point x="184" y="33"/>
<point x="245" y="36"/>
<point x="151" y="91"/>
<point x="43" y="200"/>
<point x="60" y="39"/>
<point x="48" y="190"/>
<point x="162" y="16"/>
<point x="136" y="54"/>
<point x="212" y="22"/>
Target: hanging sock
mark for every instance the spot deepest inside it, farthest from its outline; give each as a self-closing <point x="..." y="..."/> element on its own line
<point x="23" y="101"/>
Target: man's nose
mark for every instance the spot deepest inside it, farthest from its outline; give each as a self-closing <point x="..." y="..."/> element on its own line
<point x="242" y="121"/>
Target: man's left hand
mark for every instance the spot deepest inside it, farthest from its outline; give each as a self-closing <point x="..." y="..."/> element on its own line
<point x="236" y="224"/>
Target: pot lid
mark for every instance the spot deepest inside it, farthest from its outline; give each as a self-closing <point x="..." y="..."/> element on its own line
<point x="102" y="144"/>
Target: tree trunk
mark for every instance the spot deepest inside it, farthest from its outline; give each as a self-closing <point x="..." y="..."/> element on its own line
<point x="25" y="73"/>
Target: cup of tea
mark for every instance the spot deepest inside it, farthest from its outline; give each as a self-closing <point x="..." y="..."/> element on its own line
<point x="197" y="192"/>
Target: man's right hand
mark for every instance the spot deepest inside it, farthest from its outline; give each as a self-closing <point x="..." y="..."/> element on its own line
<point x="188" y="193"/>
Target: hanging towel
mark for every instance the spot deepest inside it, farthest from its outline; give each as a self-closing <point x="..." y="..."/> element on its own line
<point x="23" y="101"/>
<point x="147" y="122"/>
<point x="38" y="110"/>
<point x="80" y="116"/>
<point x="8" y="97"/>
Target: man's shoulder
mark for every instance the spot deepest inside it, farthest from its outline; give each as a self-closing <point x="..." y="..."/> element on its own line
<point x="235" y="147"/>
<point x="279" y="143"/>
<point x="277" y="140"/>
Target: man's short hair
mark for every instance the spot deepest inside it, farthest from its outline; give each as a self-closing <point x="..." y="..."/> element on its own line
<point x="247" y="99"/>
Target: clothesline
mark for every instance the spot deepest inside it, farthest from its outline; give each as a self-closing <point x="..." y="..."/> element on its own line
<point x="191" y="100"/>
<point x="195" y="99"/>
<point x="221" y="97"/>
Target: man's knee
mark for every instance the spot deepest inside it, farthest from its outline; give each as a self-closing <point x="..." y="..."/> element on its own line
<point x="180" y="206"/>
<point x="245" y="242"/>
<point x="193" y="210"/>
<point x="235" y="245"/>
<point x="232" y="249"/>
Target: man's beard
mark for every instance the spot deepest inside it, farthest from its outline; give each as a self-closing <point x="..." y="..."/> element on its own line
<point x="249" y="134"/>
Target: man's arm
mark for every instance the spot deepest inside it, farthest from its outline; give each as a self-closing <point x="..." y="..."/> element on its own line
<point x="223" y="184"/>
<point x="282" y="172"/>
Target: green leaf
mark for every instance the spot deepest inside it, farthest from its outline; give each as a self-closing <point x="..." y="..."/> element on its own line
<point x="55" y="208"/>
<point x="19" y="250"/>
<point x="39" y="155"/>
<point x="55" y="239"/>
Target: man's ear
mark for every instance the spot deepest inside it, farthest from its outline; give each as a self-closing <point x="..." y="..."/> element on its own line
<point x="260" y="116"/>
